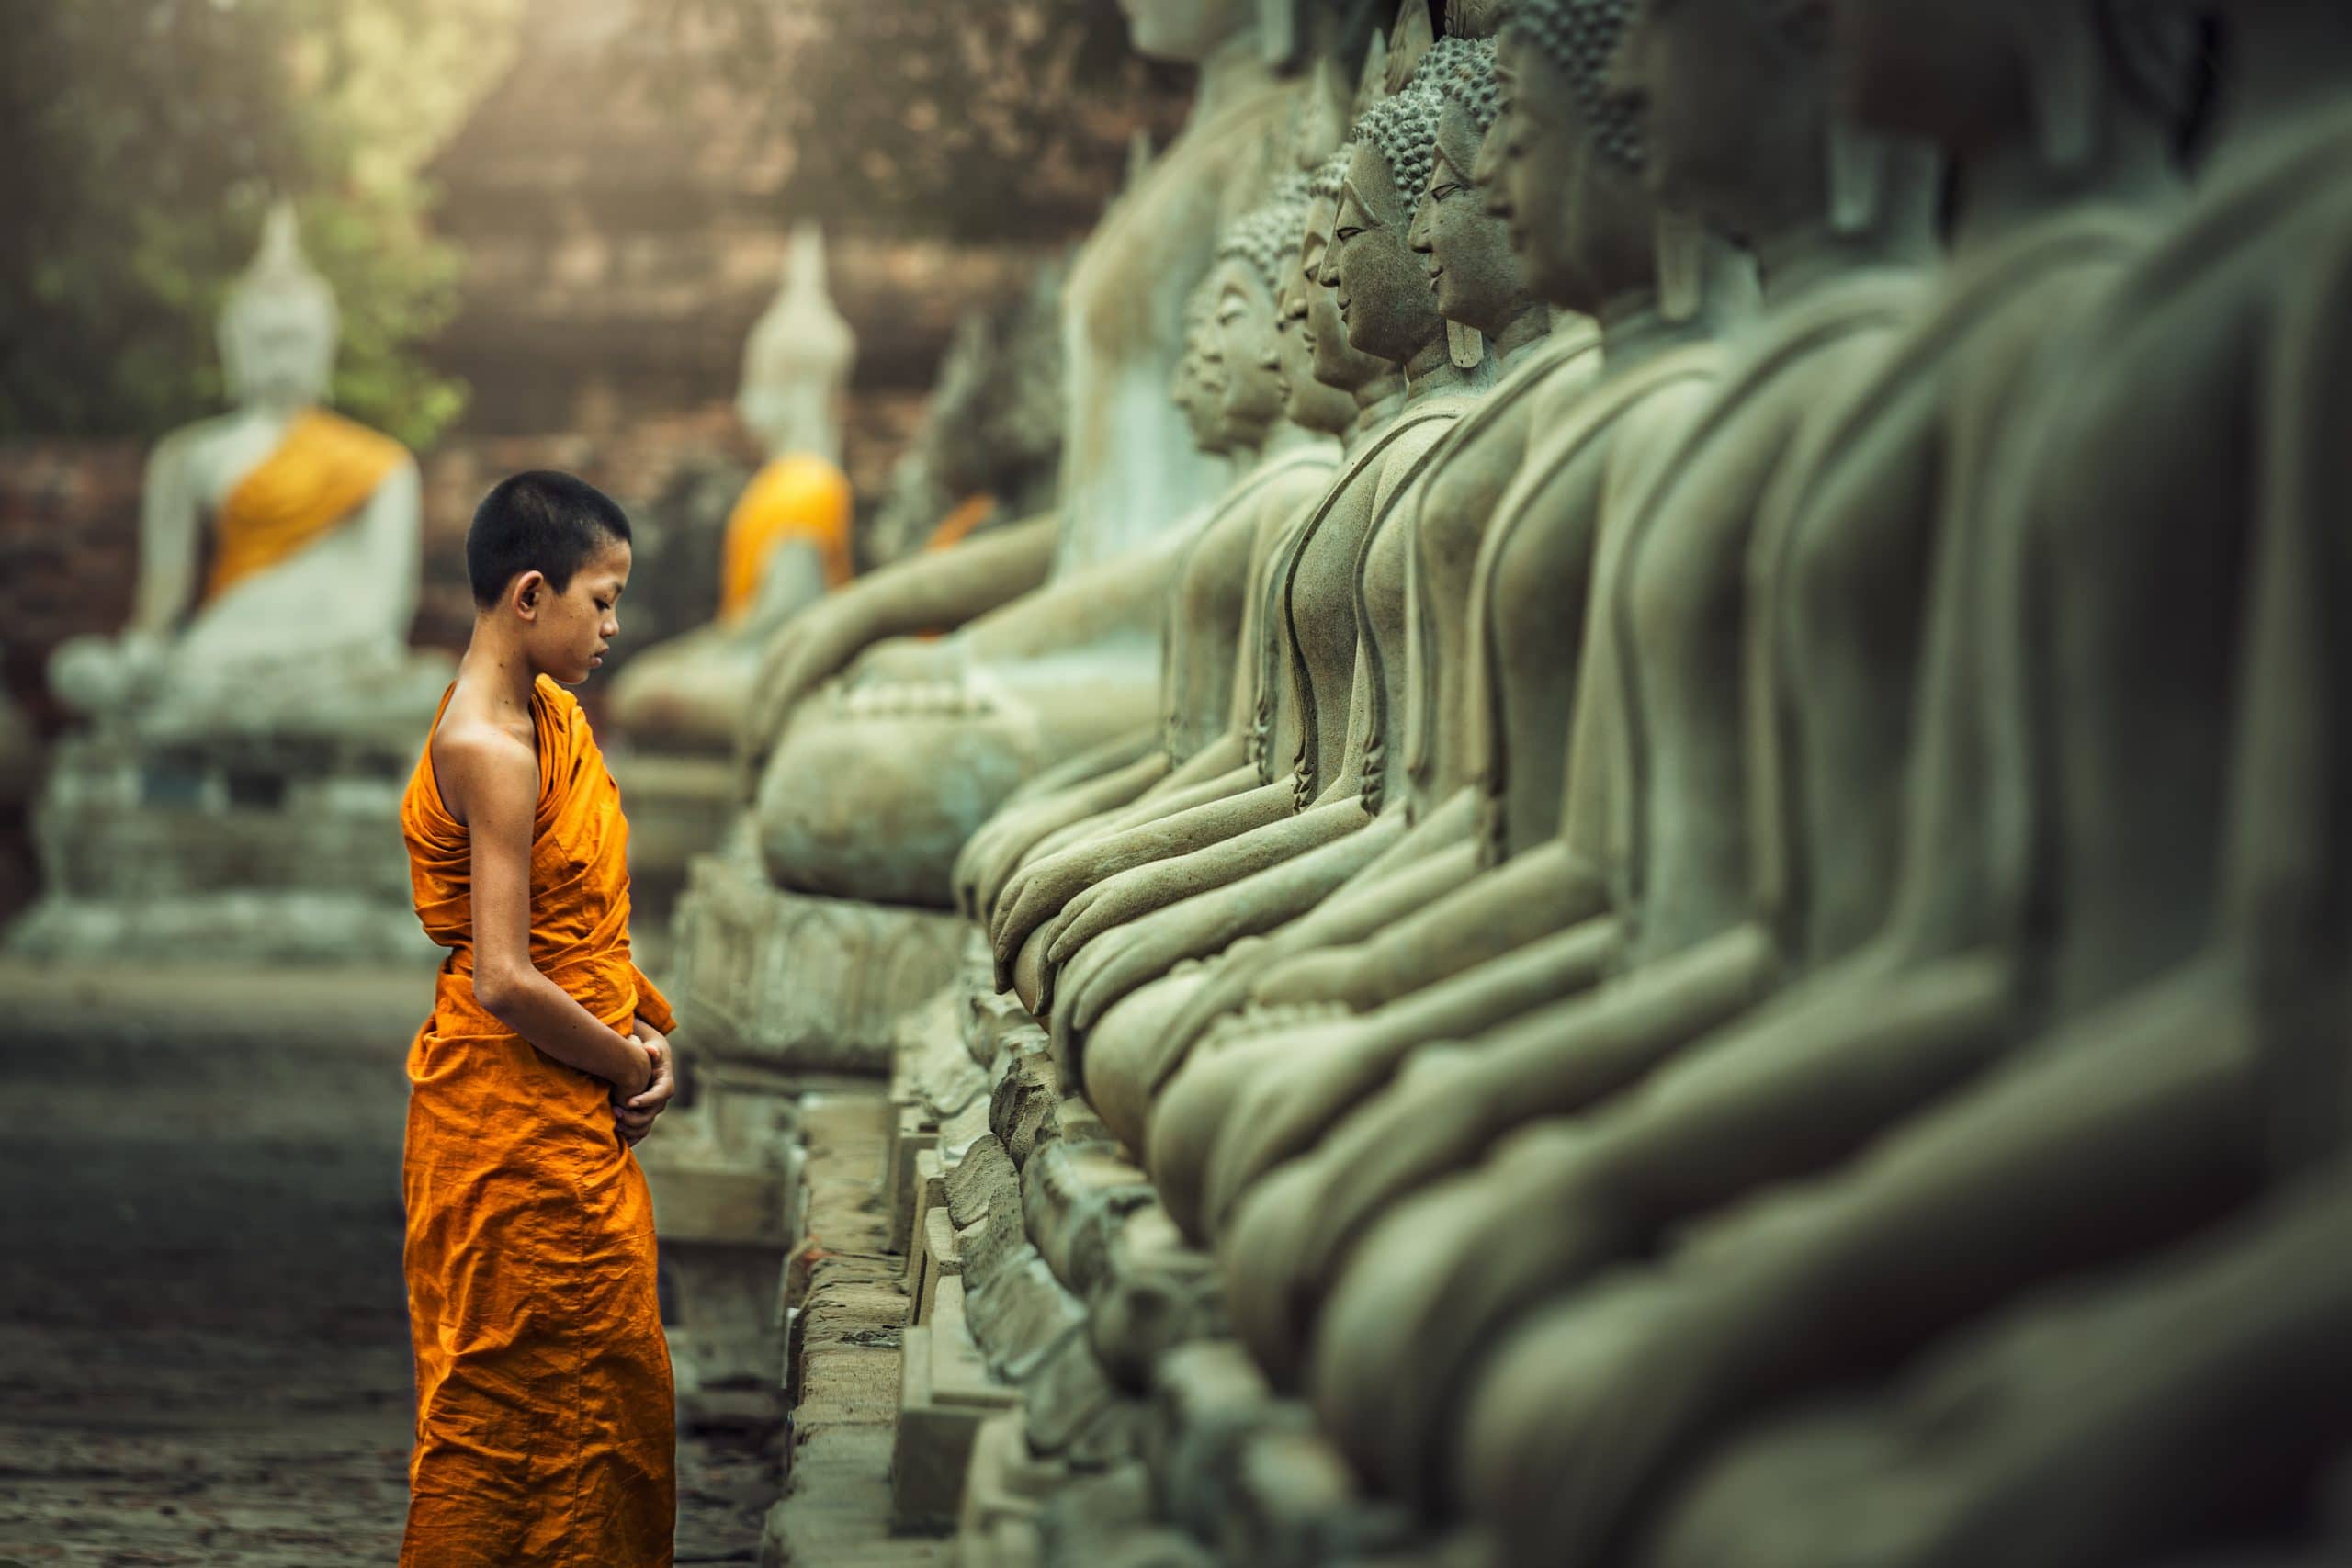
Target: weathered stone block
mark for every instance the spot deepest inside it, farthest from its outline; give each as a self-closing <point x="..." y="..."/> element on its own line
<point x="796" y="980"/>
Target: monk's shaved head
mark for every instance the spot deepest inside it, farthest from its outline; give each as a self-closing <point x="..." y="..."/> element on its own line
<point x="539" y="520"/>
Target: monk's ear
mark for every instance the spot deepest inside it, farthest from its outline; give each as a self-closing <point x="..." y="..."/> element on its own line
<point x="525" y="595"/>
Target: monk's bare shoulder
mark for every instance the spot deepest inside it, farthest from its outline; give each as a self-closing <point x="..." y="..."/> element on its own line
<point x="482" y="766"/>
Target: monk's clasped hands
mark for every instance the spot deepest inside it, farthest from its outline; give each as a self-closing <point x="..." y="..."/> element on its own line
<point x="633" y="1115"/>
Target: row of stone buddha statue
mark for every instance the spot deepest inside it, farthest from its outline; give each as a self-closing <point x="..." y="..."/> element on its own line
<point x="1726" y="918"/>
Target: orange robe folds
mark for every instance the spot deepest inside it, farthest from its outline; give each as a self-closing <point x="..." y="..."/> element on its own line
<point x="324" y="469"/>
<point x="797" y="497"/>
<point x="544" y="1422"/>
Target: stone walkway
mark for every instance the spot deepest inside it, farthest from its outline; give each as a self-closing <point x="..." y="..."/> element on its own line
<point x="203" y="1350"/>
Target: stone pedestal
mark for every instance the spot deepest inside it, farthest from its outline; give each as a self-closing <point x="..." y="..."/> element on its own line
<point x="679" y="807"/>
<point x="783" y="1000"/>
<point x="795" y="981"/>
<point x="278" y="845"/>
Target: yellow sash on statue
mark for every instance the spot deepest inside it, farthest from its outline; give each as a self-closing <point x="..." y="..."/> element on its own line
<point x="799" y="496"/>
<point x="326" y="468"/>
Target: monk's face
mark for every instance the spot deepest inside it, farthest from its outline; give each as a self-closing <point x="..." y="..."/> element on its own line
<point x="569" y="631"/>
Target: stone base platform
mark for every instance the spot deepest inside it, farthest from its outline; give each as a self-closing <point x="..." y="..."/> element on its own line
<point x="267" y="847"/>
<point x="847" y="1307"/>
<point x="680" y="806"/>
<point x="799" y="981"/>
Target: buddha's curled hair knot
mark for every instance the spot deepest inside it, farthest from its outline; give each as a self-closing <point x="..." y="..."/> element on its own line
<point x="1580" y="36"/>
<point x="1266" y="237"/>
<point x="1403" y="131"/>
<point x="1468" y="78"/>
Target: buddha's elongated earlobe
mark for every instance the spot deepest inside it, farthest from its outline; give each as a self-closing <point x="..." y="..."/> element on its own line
<point x="1857" y="172"/>
<point x="1681" y="281"/>
<point x="1466" y="346"/>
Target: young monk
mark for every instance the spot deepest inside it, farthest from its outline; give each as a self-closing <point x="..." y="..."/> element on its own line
<point x="544" y="1426"/>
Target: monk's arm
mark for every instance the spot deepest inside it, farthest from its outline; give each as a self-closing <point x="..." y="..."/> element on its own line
<point x="492" y="782"/>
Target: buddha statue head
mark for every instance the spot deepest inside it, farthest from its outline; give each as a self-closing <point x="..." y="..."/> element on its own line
<point x="1252" y="261"/>
<point x="1338" y="362"/>
<point x="1975" y="76"/>
<point x="1734" y="108"/>
<point x="1383" y="291"/>
<point x="280" y="326"/>
<point x="1563" y="164"/>
<point x="1198" y="384"/>
<point x="1308" y="401"/>
<point x="1478" y="281"/>
<point x="1185" y="31"/>
<point x="797" y="361"/>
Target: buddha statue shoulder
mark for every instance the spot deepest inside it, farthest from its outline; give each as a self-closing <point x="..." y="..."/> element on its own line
<point x="278" y="544"/>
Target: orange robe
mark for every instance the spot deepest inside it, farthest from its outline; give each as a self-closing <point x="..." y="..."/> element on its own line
<point x="544" y="1421"/>
<point x="800" y="497"/>
<point x="324" y="469"/>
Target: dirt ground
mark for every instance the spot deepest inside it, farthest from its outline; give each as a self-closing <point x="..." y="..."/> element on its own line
<point x="203" y="1348"/>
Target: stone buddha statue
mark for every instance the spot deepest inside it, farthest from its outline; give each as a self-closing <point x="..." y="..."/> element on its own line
<point x="1347" y="605"/>
<point x="871" y="791"/>
<point x="1468" y="477"/>
<point x="1840" y="584"/>
<point x="2039" y="240"/>
<point x="279" y="542"/>
<point x="2194" y="1393"/>
<point x="788" y="540"/>
<point x="2175" y="1056"/>
<point x="246" y="733"/>
<point x="1239" y="405"/>
<point x="1839" y="274"/>
<point x="1254" y="791"/>
<point x="1532" y="667"/>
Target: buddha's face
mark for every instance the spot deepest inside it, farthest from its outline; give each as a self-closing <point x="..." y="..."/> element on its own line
<point x="1242" y="324"/>
<point x="1184" y="30"/>
<point x="1307" y="402"/>
<point x="1946" y="71"/>
<point x="277" y="352"/>
<point x="1337" y="361"/>
<point x="1198" y="388"/>
<point x="1385" y="300"/>
<point x="1476" y="278"/>
<point x="1731" y="98"/>
<point x="1569" y="203"/>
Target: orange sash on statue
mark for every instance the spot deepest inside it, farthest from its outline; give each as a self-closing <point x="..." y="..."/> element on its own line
<point x="544" y="1424"/>
<point x="957" y="526"/>
<point x="326" y="468"/>
<point x="798" y="496"/>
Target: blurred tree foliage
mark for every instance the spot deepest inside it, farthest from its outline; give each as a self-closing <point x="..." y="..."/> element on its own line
<point x="971" y="120"/>
<point x="145" y="139"/>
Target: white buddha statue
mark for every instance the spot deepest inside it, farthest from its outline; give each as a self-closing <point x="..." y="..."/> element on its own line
<point x="279" y="542"/>
<point x="788" y="541"/>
